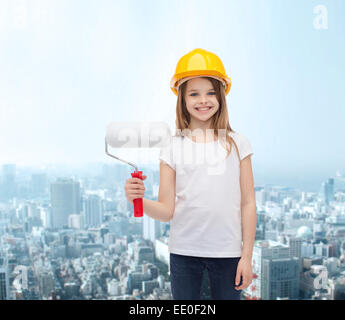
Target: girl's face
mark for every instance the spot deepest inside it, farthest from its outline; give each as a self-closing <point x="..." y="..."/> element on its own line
<point x="201" y="100"/>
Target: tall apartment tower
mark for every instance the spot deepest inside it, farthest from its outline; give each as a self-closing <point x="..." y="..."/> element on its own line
<point x="263" y="249"/>
<point x="151" y="228"/>
<point x="328" y="190"/>
<point x="38" y="184"/>
<point x="280" y="278"/>
<point x="93" y="211"/>
<point x="65" y="200"/>
<point x="4" y="280"/>
<point x="8" y="186"/>
<point x="295" y="244"/>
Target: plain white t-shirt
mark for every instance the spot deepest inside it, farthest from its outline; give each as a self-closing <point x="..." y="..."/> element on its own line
<point x="207" y="216"/>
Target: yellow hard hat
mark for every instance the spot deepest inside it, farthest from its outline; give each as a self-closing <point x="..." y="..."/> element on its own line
<point x="199" y="63"/>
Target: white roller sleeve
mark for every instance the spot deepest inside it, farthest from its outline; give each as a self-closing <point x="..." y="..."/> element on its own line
<point x="138" y="134"/>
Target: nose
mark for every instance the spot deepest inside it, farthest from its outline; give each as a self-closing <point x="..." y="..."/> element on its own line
<point x="203" y="99"/>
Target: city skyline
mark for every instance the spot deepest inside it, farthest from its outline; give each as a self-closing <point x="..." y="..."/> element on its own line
<point x="68" y="237"/>
<point x="309" y="182"/>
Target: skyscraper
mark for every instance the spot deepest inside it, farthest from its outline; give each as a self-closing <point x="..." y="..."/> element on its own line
<point x="295" y="244"/>
<point x="280" y="278"/>
<point x="151" y="228"/>
<point x="263" y="249"/>
<point x="328" y="190"/>
<point x="65" y="200"/>
<point x="93" y="212"/>
<point x="261" y="196"/>
<point x="8" y="181"/>
<point x="4" y="280"/>
<point x="38" y="184"/>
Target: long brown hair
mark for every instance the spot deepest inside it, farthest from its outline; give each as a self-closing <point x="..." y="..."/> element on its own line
<point x="220" y="119"/>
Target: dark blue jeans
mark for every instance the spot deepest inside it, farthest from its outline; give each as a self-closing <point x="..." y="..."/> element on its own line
<point x="186" y="274"/>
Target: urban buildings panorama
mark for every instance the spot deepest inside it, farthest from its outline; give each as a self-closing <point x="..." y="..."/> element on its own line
<point x="68" y="236"/>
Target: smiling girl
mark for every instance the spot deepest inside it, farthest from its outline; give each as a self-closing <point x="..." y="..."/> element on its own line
<point x="210" y="204"/>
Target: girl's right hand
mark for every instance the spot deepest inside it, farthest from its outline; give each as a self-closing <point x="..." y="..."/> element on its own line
<point x="134" y="189"/>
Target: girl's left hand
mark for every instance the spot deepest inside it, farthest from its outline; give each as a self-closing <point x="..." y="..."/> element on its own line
<point x="244" y="270"/>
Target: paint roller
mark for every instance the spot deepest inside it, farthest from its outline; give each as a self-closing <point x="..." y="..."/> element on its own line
<point x="136" y="135"/>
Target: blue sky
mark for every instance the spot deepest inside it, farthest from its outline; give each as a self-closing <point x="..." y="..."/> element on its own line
<point x="68" y="68"/>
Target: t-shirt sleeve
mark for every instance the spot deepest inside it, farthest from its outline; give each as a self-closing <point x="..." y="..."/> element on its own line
<point x="166" y="155"/>
<point x="245" y="148"/>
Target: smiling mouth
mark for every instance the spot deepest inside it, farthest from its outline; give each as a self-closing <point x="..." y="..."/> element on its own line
<point x="203" y="109"/>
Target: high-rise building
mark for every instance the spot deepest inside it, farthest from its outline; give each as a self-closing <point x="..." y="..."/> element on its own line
<point x="46" y="282"/>
<point x="162" y="250"/>
<point x="38" y="184"/>
<point x="261" y="197"/>
<point x="46" y="217"/>
<point x="4" y="280"/>
<point x="263" y="249"/>
<point x="8" y="182"/>
<point x="33" y="210"/>
<point x="295" y="244"/>
<point x="280" y="278"/>
<point x="93" y="212"/>
<point x="65" y="200"/>
<point x="324" y="250"/>
<point x="135" y="280"/>
<point x="151" y="228"/>
<point x="307" y="249"/>
<point x="328" y="190"/>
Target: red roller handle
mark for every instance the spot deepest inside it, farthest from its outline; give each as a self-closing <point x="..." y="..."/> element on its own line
<point x="138" y="202"/>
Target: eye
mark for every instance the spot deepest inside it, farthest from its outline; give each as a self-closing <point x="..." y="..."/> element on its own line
<point x="212" y="93"/>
